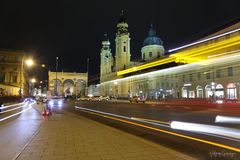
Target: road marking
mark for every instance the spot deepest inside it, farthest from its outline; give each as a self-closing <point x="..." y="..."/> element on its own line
<point x="161" y="130"/>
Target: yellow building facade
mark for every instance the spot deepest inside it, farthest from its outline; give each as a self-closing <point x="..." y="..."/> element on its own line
<point x="68" y="83"/>
<point x="13" y="75"/>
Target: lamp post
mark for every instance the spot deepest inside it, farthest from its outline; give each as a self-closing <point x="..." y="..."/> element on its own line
<point x="29" y="62"/>
<point x="33" y="81"/>
<point x="87" y="76"/>
<point x="56" y="77"/>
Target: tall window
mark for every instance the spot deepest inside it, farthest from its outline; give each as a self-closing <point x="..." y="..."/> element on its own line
<point x="208" y="75"/>
<point x="143" y="56"/>
<point x="124" y="48"/>
<point x="230" y="71"/>
<point x="190" y="77"/>
<point x="14" y="79"/>
<point x="2" y="77"/>
<point x="183" y="78"/>
<point x="218" y="73"/>
<point x="199" y="75"/>
<point x="150" y="54"/>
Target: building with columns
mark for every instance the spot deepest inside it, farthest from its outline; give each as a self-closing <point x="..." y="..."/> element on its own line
<point x="68" y="83"/>
<point x="206" y="68"/>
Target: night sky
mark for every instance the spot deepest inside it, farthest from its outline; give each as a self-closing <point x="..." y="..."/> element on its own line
<point x="73" y="29"/>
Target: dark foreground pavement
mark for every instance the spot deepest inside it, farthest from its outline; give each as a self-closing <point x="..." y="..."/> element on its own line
<point x="68" y="136"/>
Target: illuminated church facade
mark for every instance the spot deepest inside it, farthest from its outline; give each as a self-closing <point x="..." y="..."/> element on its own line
<point x="205" y="68"/>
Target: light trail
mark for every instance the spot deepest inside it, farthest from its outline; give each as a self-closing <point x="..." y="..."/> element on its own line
<point x="151" y="120"/>
<point x="9" y="110"/>
<point x="204" y="40"/>
<point x="203" y="128"/>
<point x="125" y="120"/>
<point x="3" y="107"/>
<point x="24" y="110"/>
<point x="227" y="119"/>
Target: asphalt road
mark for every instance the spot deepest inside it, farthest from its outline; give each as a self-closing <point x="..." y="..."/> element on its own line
<point x="162" y="114"/>
<point x="16" y="131"/>
<point x="148" y="121"/>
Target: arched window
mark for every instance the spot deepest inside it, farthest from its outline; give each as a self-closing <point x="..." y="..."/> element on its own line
<point x="199" y="90"/>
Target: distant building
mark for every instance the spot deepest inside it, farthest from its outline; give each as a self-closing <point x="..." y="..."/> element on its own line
<point x="68" y="83"/>
<point x="11" y="70"/>
<point x="94" y="90"/>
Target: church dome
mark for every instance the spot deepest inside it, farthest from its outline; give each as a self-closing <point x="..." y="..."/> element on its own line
<point x="152" y="38"/>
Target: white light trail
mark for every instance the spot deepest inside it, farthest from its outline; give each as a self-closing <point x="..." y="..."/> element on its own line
<point x="9" y="110"/>
<point x="18" y="104"/>
<point x="120" y="116"/>
<point x="204" y="40"/>
<point x="227" y="119"/>
<point x="169" y="125"/>
<point x="5" y="118"/>
<point x="208" y="129"/>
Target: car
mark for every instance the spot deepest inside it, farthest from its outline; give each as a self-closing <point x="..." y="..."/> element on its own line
<point x="84" y="99"/>
<point x="56" y="101"/>
<point x="104" y="98"/>
<point x="137" y="99"/>
<point x="95" y="98"/>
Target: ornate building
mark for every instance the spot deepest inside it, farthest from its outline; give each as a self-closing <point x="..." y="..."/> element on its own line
<point x="110" y="65"/>
<point x="13" y="75"/>
<point x="205" y="68"/>
<point x="152" y="46"/>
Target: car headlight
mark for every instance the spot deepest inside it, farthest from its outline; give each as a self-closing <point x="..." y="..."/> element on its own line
<point x="51" y="102"/>
<point x="60" y="103"/>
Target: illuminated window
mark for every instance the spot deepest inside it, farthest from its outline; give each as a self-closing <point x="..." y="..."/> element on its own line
<point x="230" y="71"/>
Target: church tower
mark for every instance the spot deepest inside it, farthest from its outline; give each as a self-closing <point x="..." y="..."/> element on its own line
<point x="106" y="65"/>
<point x="122" y="41"/>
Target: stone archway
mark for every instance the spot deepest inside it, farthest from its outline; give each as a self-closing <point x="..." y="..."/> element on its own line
<point x="57" y="85"/>
<point x="68" y="87"/>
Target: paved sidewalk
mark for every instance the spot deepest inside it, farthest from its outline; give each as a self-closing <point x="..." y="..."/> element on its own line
<point x="69" y="136"/>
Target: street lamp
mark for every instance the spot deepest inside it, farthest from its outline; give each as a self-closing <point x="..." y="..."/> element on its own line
<point x="29" y="62"/>
<point x="56" y="93"/>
